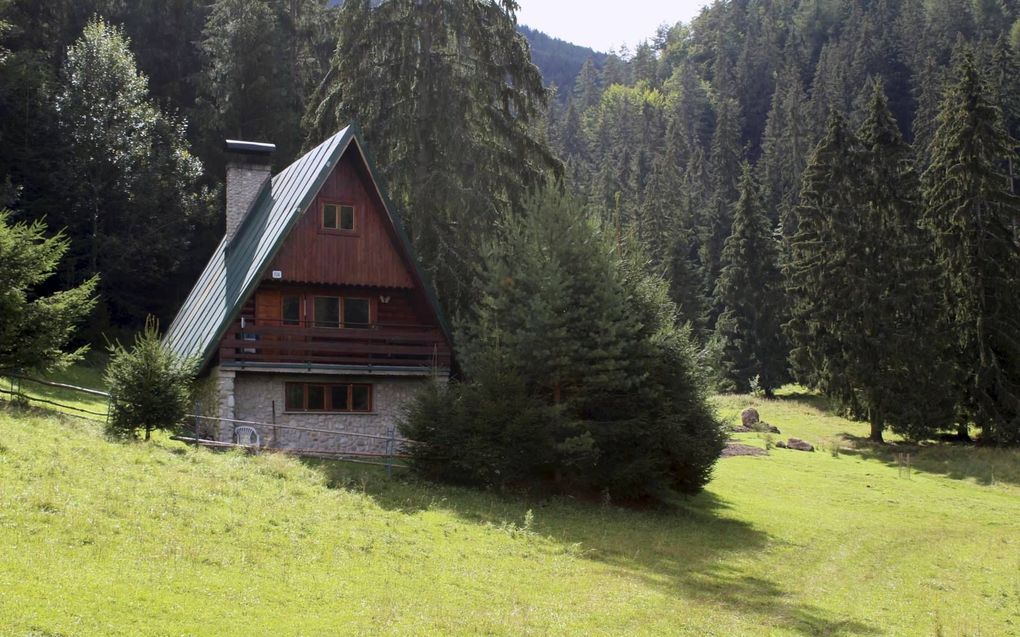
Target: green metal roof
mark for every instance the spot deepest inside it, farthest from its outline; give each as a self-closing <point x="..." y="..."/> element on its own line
<point x="237" y="266"/>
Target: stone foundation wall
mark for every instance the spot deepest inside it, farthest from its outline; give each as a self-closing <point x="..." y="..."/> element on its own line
<point x="254" y="395"/>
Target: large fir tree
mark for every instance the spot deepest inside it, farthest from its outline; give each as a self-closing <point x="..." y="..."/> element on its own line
<point x="448" y="97"/>
<point x="750" y="295"/>
<point x="861" y="307"/>
<point x="973" y="215"/>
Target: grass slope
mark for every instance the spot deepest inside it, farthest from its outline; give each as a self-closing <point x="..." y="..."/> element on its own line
<point x="158" y="539"/>
<point x="88" y="376"/>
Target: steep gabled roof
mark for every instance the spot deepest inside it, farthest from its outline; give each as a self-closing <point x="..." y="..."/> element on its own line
<point x="237" y="265"/>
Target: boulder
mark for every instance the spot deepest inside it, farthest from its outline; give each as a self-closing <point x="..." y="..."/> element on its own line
<point x="799" y="445"/>
<point x="749" y="418"/>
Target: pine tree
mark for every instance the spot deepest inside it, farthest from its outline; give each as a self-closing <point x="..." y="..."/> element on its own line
<point x="750" y="293"/>
<point x="973" y="217"/>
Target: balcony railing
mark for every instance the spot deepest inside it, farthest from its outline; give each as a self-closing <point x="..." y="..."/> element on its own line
<point x="262" y="341"/>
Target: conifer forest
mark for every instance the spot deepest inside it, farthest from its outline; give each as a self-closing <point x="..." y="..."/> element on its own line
<point x="827" y="188"/>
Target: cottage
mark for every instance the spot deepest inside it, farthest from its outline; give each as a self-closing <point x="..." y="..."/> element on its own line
<point x="312" y="313"/>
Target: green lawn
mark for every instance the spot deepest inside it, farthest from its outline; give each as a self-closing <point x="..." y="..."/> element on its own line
<point x="68" y="401"/>
<point x="100" y="538"/>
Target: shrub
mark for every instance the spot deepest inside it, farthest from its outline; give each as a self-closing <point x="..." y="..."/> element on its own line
<point x="486" y="432"/>
<point x="150" y="385"/>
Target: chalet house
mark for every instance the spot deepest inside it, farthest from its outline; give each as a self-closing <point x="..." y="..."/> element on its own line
<point x="312" y="314"/>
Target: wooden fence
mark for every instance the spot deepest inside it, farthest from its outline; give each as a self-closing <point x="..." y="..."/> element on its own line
<point x="16" y="392"/>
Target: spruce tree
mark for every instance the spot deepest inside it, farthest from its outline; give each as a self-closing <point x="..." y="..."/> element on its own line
<point x="858" y="278"/>
<point x="817" y="279"/>
<point x="785" y="146"/>
<point x="750" y="294"/>
<point x="36" y="328"/>
<point x="900" y="370"/>
<point x="570" y="323"/>
<point x="716" y="220"/>
<point x="972" y="214"/>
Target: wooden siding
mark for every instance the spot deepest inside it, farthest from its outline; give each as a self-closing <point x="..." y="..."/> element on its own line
<point x="366" y="256"/>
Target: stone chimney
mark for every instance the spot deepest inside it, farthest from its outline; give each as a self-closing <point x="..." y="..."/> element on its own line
<point x="248" y="170"/>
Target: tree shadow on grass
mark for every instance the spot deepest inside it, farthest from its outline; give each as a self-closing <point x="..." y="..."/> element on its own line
<point x="957" y="460"/>
<point x="812" y="399"/>
<point x="681" y="550"/>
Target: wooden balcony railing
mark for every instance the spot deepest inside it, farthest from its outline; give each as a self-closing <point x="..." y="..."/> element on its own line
<point x="374" y="345"/>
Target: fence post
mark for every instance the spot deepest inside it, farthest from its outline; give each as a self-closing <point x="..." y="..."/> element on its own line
<point x="274" y="423"/>
<point x="198" y="411"/>
<point x="389" y="452"/>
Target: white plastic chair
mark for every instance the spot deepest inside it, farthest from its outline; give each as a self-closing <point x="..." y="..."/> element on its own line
<point x="247" y="436"/>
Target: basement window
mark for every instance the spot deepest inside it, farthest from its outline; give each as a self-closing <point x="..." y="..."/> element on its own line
<point x="338" y="217"/>
<point x="329" y="397"/>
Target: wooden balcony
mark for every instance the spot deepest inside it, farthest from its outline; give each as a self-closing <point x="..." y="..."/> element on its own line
<point x="262" y="342"/>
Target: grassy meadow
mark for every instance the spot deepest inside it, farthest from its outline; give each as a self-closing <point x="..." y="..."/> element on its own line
<point x="102" y="538"/>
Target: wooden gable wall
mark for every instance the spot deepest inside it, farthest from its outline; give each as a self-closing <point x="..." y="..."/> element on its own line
<point x="368" y="256"/>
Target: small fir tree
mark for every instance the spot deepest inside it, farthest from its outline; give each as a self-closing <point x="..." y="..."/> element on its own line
<point x="150" y="385"/>
<point x="35" y="329"/>
<point x="751" y="296"/>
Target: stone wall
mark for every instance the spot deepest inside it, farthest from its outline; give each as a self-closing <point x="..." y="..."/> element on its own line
<point x="254" y="396"/>
<point x="214" y="397"/>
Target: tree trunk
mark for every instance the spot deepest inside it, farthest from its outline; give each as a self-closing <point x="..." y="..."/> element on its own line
<point x="963" y="432"/>
<point x="876" y="430"/>
<point x="148" y="430"/>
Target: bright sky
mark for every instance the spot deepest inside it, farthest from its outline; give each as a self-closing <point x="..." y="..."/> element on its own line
<point x="605" y="24"/>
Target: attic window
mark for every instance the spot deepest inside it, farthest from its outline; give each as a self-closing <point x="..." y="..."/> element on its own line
<point x="337" y="217"/>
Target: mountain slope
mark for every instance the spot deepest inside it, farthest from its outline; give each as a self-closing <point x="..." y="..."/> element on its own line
<point x="559" y="61"/>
